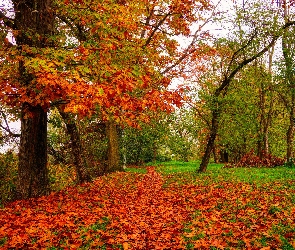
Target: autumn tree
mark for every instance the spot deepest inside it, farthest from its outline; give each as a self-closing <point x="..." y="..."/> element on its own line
<point x="287" y="92"/>
<point x="250" y="119"/>
<point x="32" y="27"/>
<point x="112" y="57"/>
<point x="236" y="55"/>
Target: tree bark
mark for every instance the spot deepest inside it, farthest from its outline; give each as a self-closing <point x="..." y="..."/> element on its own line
<point x="79" y="162"/>
<point x="32" y="169"/>
<point x="265" y="121"/>
<point x="290" y="140"/>
<point x="266" y="116"/>
<point x="211" y="140"/>
<point x="113" y="148"/>
<point x="215" y="154"/>
<point x="58" y="158"/>
<point x="223" y="156"/>
<point x="34" y="25"/>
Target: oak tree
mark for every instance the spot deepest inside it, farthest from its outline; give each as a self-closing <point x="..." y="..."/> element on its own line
<point x="112" y="57"/>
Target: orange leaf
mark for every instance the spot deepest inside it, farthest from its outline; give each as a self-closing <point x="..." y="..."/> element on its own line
<point x="125" y="246"/>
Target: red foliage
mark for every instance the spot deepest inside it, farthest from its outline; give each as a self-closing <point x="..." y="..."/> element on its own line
<point x="141" y="211"/>
<point x="122" y="65"/>
<point x="134" y="215"/>
<point x="252" y="160"/>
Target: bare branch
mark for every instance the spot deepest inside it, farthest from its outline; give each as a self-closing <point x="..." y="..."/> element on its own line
<point x="228" y="79"/>
<point x="189" y="49"/>
<point x="6" y="127"/>
<point x="147" y="23"/>
<point x="9" y="22"/>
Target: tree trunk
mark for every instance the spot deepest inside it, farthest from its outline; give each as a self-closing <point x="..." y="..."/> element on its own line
<point x="34" y="24"/>
<point x="290" y="139"/>
<point x="259" y="146"/>
<point x="113" y="147"/>
<point x="262" y="122"/>
<point x="58" y="158"/>
<point x="79" y="161"/>
<point x="210" y="142"/>
<point x="32" y="169"/>
<point x="223" y="156"/>
<point x="270" y="111"/>
<point x="266" y="140"/>
<point x="215" y="154"/>
<point x="265" y="119"/>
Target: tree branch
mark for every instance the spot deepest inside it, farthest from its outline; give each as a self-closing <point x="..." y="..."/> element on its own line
<point x="228" y="79"/>
<point x="76" y="28"/>
<point x="6" y="127"/>
<point x="147" y="23"/>
<point x="189" y="49"/>
<point x="9" y="22"/>
<point x="156" y="28"/>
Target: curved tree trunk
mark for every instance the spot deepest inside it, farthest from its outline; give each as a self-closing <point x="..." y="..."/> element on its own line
<point x="34" y="24"/>
<point x="210" y="142"/>
<point x="80" y="163"/>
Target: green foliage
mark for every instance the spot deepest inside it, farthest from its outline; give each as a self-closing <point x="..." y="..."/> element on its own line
<point x="290" y="163"/>
<point x="172" y="137"/>
<point x="182" y="135"/>
<point x="2" y="241"/>
<point x="139" y="146"/>
<point x="61" y="176"/>
<point x="147" y="144"/>
<point x="93" y="142"/>
<point x="8" y="176"/>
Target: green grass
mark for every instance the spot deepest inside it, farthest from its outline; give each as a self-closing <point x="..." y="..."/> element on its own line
<point x="141" y="170"/>
<point x="177" y="166"/>
<point x="218" y="173"/>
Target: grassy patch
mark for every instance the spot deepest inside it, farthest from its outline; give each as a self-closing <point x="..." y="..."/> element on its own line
<point x="140" y="170"/>
<point x="215" y="171"/>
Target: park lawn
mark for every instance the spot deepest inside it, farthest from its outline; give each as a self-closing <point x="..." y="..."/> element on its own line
<point x="169" y="206"/>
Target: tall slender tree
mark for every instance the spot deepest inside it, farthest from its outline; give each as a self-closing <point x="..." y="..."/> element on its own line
<point x="240" y="56"/>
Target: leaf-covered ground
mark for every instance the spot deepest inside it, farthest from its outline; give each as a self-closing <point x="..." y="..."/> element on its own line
<point x="155" y="211"/>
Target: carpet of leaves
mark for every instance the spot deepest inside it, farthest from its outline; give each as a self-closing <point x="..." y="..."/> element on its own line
<point x="151" y="211"/>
